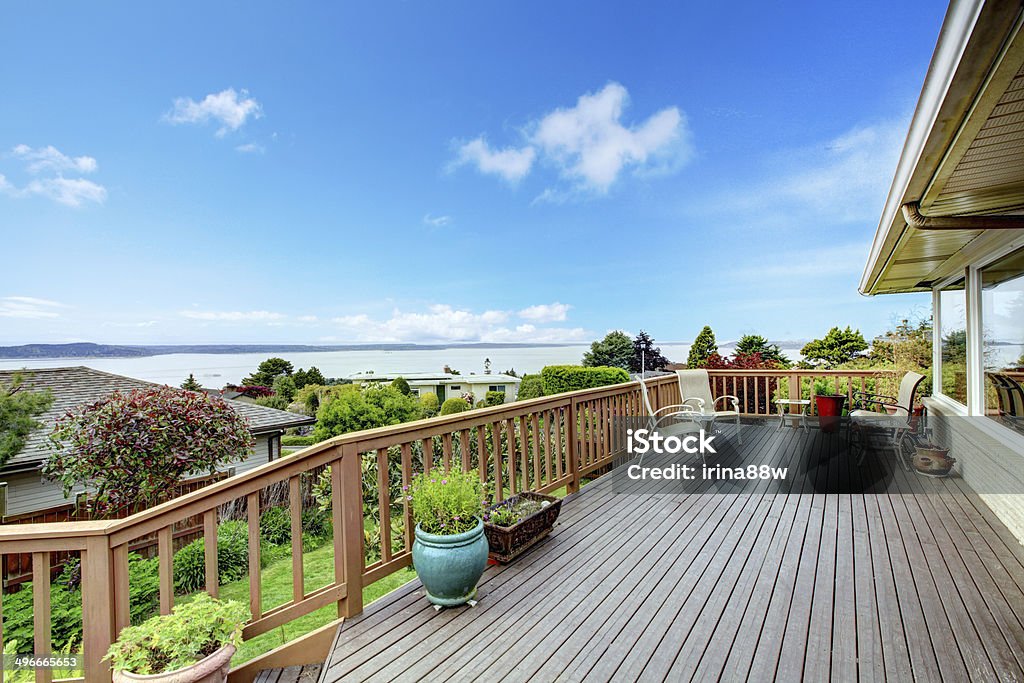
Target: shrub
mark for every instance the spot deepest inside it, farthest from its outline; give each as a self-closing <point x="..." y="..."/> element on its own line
<point x="402" y="385"/>
<point x="284" y="387"/>
<point x="301" y="441"/>
<point x="454" y="405"/>
<point x="275" y="526"/>
<point x="494" y="398"/>
<point x="275" y="402"/>
<point x="560" y="378"/>
<point x="352" y="408"/>
<point x="232" y="558"/>
<point x="317" y="528"/>
<point x="191" y="632"/>
<point x="446" y="502"/>
<point x="131" y="448"/>
<point x="430" y="404"/>
<point x="531" y="387"/>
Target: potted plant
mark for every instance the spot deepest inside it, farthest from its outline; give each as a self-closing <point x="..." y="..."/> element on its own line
<point x="515" y="525"/>
<point x="449" y="552"/>
<point x="932" y="460"/>
<point x="829" y="406"/>
<point x="194" y="643"/>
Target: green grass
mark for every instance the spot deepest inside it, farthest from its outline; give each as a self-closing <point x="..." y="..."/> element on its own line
<point x="318" y="568"/>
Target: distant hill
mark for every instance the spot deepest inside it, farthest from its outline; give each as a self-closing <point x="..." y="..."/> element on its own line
<point x="90" y="350"/>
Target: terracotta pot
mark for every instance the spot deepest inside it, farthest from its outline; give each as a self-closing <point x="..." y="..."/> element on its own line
<point x="213" y="669"/>
<point x="933" y="461"/>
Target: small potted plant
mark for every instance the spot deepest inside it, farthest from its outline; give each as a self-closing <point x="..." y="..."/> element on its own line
<point x="192" y="644"/>
<point x="449" y="552"/>
<point x="932" y="460"/>
<point x="515" y="525"/>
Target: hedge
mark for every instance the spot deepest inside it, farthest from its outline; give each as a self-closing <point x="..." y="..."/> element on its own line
<point x="298" y="440"/>
<point x="556" y="379"/>
<point x="530" y="387"/>
<point x="454" y="405"/>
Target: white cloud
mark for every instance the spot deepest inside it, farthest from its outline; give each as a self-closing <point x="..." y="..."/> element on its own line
<point x="28" y="307"/>
<point x="233" y="316"/>
<point x="545" y="313"/>
<point x="68" y="191"/>
<point x="307" y="318"/>
<point x="591" y="146"/>
<point x="444" y="323"/>
<point x="437" y="221"/>
<point x="588" y="144"/>
<point x="229" y="107"/>
<point x="251" y="148"/>
<point x="510" y="163"/>
<point x="49" y="158"/>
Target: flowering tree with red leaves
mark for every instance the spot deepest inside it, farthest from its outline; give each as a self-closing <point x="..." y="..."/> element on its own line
<point x="130" y="449"/>
<point x="749" y="390"/>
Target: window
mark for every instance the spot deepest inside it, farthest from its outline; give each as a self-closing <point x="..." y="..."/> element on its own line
<point x="1002" y="338"/>
<point x="953" y="341"/>
<point x="455" y="388"/>
<point x="497" y="387"/>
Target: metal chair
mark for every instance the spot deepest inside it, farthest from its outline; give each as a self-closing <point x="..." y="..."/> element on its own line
<point x="657" y="418"/>
<point x="894" y="425"/>
<point x="695" y="387"/>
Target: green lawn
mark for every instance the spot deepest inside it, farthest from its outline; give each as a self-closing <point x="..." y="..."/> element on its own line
<point x="318" y="566"/>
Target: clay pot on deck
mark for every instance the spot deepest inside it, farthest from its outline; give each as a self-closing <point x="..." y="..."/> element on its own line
<point x="932" y="460"/>
<point x="212" y="669"/>
<point x="449" y="566"/>
<point x="830" y="411"/>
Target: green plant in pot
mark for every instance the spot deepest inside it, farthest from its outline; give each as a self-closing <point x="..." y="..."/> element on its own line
<point x="449" y="552"/>
<point x="194" y="643"/>
<point x="829" y="405"/>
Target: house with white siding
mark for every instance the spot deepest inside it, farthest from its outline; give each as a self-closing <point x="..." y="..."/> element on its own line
<point x="24" y="490"/>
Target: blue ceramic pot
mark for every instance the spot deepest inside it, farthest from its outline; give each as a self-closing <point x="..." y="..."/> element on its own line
<point x="449" y="567"/>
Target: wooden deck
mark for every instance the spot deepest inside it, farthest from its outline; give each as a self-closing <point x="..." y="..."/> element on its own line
<point x="753" y="584"/>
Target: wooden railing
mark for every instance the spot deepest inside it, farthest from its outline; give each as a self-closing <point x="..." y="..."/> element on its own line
<point x="756" y="389"/>
<point x="543" y="445"/>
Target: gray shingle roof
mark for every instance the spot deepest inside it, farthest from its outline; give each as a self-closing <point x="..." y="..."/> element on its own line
<point x="75" y="386"/>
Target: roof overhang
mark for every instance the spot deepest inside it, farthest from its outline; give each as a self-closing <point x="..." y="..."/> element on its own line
<point x="963" y="158"/>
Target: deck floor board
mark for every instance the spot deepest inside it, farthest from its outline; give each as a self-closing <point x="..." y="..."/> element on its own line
<point x="763" y="584"/>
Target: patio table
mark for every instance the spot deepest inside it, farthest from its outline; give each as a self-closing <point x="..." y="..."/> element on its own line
<point x="786" y="408"/>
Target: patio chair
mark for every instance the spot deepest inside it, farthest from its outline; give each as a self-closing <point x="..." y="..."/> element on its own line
<point x="896" y="423"/>
<point x="1010" y="397"/>
<point x="657" y="419"/>
<point x="695" y="388"/>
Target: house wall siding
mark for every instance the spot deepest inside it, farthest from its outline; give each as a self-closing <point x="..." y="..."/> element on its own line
<point x="30" y="491"/>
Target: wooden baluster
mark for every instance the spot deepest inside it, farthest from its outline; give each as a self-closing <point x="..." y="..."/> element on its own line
<point x="41" y="611"/>
<point x="557" y="413"/>
<point x="384" y="501"/>
<point x="252" y="513"/>
<point x="428" y="453"/>
<point x="481" y="453"/>
<point x="165" y="549"/>
<point x="122" y="613"/>
<point x="407" y="479"/>
<point x="572" y="449"/>
<point x="510" y="429"/>
<point x="210" y="552"/>
<point x="499" y="485"/>
<point x="535" y="429"/>
<point x="546" y="429"/>
<point x="338" y="521"/>
<point x="464" y="448"/>
<point x="524" y="453"/>
<point x="104" y="601"/>
<point x="446" y="448"/>
<point x="350" y="484"/>
<point x="295" y="515"/>
<point x="607" y="427"/>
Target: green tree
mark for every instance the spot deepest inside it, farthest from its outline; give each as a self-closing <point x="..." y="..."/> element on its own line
<point x="130" y="449"/>
<point x="311" y="376"/>
<point x="646" y="356"/>
<point x="352" y="408"/>
<point x="494" y="398"/>
<point x="191" y="383"/>
<point x="531" y="387"/>
<point x="749" y="344"/>
<point x="268" y="371"/>
<point x="18" y="409"/>
<point x="703" y="346"/>
<point x="615" y="350"/>
<point x="402" y="385"/>
<point x="430" y="404"/>
<point x="284" y="387"/>
<point x="454" y="405"/>
<point x="835" y="348"/>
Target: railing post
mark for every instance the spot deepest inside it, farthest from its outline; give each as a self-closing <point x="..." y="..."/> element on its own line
<point x="352" y="528"/>
<point x="795" y="392"/>
<point x="572" y="448"/>
<point x="97" y="607"/>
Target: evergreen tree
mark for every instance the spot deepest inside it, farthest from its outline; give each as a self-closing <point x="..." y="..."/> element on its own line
<point x="311" y="376"/>
<point x="646" y="356"/>
<point x="192" y="384"/>
<point x="835" y="348"/>
<point x="749" y="344"/>
<point x="402" y="385"/>
<point x="18" y="409"/>
<point x="703" y="346"/>
<point x="614" y="351"/>
<point x="268" y="371"/>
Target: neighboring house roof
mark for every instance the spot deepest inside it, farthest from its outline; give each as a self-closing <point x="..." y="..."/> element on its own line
<point x="76" y="386"/>
<point x="439" y="377"/>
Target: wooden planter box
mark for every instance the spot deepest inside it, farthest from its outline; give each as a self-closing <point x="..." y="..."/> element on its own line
<point x="508" y="543"/>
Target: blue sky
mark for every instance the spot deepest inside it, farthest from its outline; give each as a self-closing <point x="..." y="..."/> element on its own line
<point x="530" y="171"/>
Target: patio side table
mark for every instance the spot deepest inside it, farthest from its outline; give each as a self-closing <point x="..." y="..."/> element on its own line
<point x="792" y="409"/>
